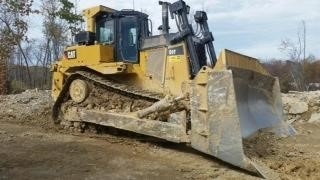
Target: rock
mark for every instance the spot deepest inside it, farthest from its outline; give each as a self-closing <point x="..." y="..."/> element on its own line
<point x="24" y="100"/>
<point x="315" y="118"/>
<point x="314" y="108"/>
<point x="90" y="106"/>
<point x="298" y="108"/>
<point x="290" y="154"/>
<point x="314" y="101"/>
<point x="290" y="121"/>
<point x="26" y="134"/>
<point x="76" y="124"/>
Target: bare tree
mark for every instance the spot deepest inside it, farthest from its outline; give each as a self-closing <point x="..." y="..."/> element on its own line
<point x="296" y="52"/>
<point x="60" y="23"/>
<point x="29" y="61"/>
<point x="13" y="29"/>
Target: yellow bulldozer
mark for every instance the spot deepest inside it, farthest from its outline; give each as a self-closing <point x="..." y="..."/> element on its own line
<point x="169" y="86"/>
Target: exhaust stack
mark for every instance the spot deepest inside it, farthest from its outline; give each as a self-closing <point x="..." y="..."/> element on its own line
<point x="165" y="17"/>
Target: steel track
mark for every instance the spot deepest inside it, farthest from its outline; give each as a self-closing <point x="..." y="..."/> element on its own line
<point x="126" y="90"/>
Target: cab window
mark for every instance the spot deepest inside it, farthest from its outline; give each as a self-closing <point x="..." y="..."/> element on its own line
<point x="105" y="31"/>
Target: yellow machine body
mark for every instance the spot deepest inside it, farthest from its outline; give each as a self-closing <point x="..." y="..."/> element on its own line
<point x="156" y="71"/>
<point x="227" y="102"/>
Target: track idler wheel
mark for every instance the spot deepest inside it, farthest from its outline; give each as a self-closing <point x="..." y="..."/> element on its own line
<point x="79" y="90"/>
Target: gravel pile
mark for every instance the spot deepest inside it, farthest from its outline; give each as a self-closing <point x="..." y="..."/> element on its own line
<point x="25" y="106"/>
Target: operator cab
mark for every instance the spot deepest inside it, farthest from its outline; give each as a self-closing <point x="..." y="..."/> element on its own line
<point x="127" y="32"/>
<point x="124" y="30"/>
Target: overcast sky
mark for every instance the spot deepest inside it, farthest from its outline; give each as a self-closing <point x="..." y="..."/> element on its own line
<point x="253" y="27"/>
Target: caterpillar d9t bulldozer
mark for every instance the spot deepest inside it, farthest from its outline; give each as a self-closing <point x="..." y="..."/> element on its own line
<point x="170" y="86"/>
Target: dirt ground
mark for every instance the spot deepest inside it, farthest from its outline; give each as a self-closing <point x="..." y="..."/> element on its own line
<point x="31" y="147"/>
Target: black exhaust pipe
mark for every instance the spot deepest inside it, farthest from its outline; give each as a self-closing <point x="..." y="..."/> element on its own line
<point x="165" y="17"/>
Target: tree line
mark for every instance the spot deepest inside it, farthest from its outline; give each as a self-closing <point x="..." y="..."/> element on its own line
<point x="299" y="72"/>
<point x="294" y="75"/>
<point x="27" y="61"/>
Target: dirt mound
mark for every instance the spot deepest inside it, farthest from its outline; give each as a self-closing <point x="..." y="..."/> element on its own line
<point x="27" y="107"/>
<point x="295" y="157"/>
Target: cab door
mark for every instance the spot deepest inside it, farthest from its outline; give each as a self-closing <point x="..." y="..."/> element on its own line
<point x="128" y="44"/>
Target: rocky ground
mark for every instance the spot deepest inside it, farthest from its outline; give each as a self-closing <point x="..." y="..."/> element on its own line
<point x="302" y="106"/>
<point x="32" y="147"/>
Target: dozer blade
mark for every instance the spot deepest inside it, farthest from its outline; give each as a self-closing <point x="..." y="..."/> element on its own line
<point x="232" y="102"/>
